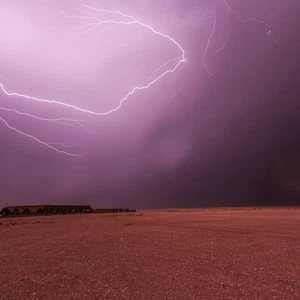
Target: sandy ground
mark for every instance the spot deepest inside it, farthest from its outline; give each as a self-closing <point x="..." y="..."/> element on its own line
<point x="187" y="254"/>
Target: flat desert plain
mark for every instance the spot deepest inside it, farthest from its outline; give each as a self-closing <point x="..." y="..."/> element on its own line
<point x="177" y="254"/>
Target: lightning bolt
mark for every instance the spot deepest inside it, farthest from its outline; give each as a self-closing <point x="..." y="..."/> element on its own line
<point x="93" y="23"/>
<point x="212" y="14"/>
<point x="91" y="16"/>
<point x="207" y="46"/>
<point x="206" y="16"/>
<point x="57" y="120"/>
<point x="36" y="139"/>
<point x="162" y="66"/>
<point x="249" y="19"/>
<point x="99" y="22"/>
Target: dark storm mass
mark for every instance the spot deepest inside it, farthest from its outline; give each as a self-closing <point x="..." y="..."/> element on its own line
<point x="221" y="130"/>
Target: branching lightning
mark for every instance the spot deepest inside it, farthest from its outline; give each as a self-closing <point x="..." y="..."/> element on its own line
<point x="91" y="16"/>
<point x="66" y="121"/>
<point x="36" y="139"/>
<point x="249" y="19"/>
<point x="93" y="23"/>
<point x="207" y="46"/>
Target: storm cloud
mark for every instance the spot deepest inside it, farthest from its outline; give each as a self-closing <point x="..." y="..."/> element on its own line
<point x="213" y="132"/>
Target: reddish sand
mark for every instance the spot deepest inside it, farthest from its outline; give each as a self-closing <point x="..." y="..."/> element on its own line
<point x="187" y="254"/>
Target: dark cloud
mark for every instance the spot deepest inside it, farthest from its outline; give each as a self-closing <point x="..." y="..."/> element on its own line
<point x="191" y="140"/>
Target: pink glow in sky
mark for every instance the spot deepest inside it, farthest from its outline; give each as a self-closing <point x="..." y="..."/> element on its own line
<point x="96" y="95"/>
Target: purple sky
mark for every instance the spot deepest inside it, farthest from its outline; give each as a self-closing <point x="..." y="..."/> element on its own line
<point x="213" y="132"/>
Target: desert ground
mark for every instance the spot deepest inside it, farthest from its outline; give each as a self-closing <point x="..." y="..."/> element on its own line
<point x="170" y="254"/>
